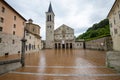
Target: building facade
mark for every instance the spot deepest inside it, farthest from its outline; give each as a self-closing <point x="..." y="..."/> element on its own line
<point x="113" y="57"/>
<point x="11" y="29"/>
<point x="62" y="37"/>
<point x="79" y="44"/>
<point x="32" y="35"/>
<point x="114" y="21"/>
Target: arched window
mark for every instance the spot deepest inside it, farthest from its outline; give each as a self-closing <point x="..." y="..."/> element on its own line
<point x="29" y="46"/>
<point x="50" y="17"/>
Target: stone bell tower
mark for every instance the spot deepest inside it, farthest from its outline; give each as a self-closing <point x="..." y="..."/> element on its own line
<point x="50" y="27"/>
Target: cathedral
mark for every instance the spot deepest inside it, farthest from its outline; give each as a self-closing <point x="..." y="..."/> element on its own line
<point x="62" y="37"/>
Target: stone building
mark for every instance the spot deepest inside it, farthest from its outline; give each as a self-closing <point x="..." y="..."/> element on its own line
<point x="11" y="29"/>
<point x="32" y="35"/>
<point x="114" y="20"/>
<point x="62" y="37"/>
<point x="104" y="43"/>
<point x="113" y="57"/>
<point x="79" y="44"/>
<point x="50" y="28"/>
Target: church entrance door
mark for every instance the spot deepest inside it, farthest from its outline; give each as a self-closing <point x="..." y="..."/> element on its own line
<point x="63" y="46"/>
<point x="70" y="45"/>
<point x="66" y="45"/>
<point x="55" y="45"/>
<point x="59" y="46"/>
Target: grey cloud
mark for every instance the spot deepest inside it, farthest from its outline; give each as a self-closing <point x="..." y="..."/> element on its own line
<point x="71" y="12"/>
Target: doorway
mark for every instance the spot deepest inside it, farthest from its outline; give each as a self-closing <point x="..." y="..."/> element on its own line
<point x="55" y="45"/>
<point x="59" y="46"/>
<point x="70" y="45"/>
<point x="66" y="45"/>
<point x="63" y="46"/>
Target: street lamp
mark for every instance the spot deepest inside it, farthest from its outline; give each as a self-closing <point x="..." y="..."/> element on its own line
<point x="23" y="49"/>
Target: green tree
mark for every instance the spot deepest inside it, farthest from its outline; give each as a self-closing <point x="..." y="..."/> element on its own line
<point x="100" y="29"/>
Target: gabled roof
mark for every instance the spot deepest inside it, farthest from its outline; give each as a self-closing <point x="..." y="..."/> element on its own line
<point x="64" y="25"/>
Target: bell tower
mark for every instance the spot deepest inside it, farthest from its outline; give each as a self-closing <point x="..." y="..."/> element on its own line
<point x="50" y="27"/>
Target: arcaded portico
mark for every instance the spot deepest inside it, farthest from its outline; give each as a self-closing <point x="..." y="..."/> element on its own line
<point x="66" y="45"/>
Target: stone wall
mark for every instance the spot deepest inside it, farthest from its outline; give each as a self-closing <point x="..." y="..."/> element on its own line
<point x="7" y="46"/>
<point x="6" y="66"/>
<point x="104" y="43"/>
<point x="113" y="60"/>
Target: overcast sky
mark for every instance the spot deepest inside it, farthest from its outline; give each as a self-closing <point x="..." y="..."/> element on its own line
<point x="78" y="14"/>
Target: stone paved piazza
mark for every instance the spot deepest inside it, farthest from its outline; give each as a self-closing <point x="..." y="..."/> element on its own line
<point x="63" y="65"/>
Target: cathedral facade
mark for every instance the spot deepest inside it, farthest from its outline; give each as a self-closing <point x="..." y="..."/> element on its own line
<point x="62" y="37"/>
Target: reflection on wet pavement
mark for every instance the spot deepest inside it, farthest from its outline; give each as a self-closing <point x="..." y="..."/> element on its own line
<point x="64" y="65"/>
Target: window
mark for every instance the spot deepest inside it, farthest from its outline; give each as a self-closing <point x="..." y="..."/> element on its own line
<point x="34" y="46"/>
<point x="30" y="37"/>
<point x="118" y="5"/>
<point x="14" y="17"/>
<point x="3" y="9"/>
<point x="1" y="28"/>
<point x="111" y="25"/>
<point x="33" y="29"/>
<point x="13" y="41"/>
<point x="115" y="31"/>
<point x="38" y="46"/>
<point x="29" y="46"/>
<point x="27" y="33"/>
<point x="14" y="25"/>
<point x="13" y="32"/>
<point x="111" y="33"/>
<point x="2" y="20"/>
<point x="26" y="47"/>
<point x="0" y="40"/>
<point x="50" y="17"/>
<point x="119" y="14"/>
<point x="50" y="26"/>
<point x="18" y="51"/>
<point x="114" y="21"/>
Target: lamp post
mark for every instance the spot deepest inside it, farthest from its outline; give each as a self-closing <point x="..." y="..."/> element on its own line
<point x="23" y="50"/>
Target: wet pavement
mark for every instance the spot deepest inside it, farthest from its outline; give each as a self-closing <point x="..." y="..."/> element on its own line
<point x="64" y="65"/>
